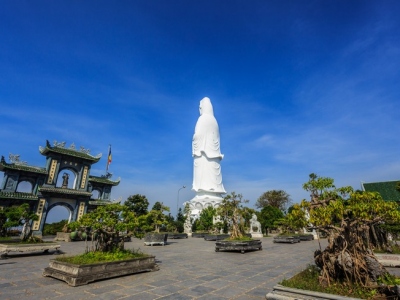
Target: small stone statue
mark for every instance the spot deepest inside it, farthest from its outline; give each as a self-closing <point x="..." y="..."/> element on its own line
<point x="255" y="226"/>
<point x="65" y="180"/>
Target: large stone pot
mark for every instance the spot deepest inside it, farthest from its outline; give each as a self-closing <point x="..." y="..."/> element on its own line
<point x="76" y="275"/>
<point x="177" y="235"/>
<point x="199" y="234"/>
<point x="286" y="239"/>
<point x="215" y="237"/>
<point x="241" y="246"/>
<point x="152" y="238"/>
<point x="15" y="246"/>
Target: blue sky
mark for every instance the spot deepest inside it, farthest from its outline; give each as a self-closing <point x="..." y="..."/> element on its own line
<point x="297" y="87"/>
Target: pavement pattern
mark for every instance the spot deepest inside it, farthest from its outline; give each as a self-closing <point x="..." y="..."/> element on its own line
<point x="189" y="269"/>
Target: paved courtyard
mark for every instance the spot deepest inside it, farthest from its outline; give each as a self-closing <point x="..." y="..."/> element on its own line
<point x="189" y="269"/>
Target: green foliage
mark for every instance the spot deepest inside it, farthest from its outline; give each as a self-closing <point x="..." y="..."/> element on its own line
<point x="99" y="257"/>
<point x="268" y="216"/>
<point x="205" y="221"/>
<point x="295" y="220"/>
<point x="231" y="212"/>
<point x="154" y="219"/>
<point x="308" y="279"/>
<point x="350" y="219"/>
<point x="276" y="198"/>
<point x="158" y="206"/>
<point x="107" y="223"/>
<point x="15" y="216"/>
<point x="53" y="228"/>
<point x="138" y="204"/>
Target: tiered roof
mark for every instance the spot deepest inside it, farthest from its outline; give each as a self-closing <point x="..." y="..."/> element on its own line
<point x="18" y="195"/>
<point x="20" y="167"/>
<point x="60" y="149"/>
<point x="57" y="190"/>
<point x="104" y="180"/>
<point x="388" y="189"/>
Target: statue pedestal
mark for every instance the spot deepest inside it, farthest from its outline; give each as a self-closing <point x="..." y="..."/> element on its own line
<point x="203" y="200"/>
<point x="256" y="235"/>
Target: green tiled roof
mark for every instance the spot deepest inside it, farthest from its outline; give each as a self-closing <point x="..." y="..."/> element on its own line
<point x="21" y="167"/>
<point x="387" y="189"/>
<point x="99" y="202"/>
<point x="69" y="152"/>
<point x="63" y="191"/>
<point x="104" y="180"/>
<point x="18" y="195"/>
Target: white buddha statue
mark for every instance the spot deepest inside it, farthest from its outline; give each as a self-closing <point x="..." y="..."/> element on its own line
<point x="206" y="152"/>
<point x="207" y="176"/>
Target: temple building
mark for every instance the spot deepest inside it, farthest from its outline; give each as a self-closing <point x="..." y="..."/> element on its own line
<point x="389" y="190"/>
<point x="51" y="186"/>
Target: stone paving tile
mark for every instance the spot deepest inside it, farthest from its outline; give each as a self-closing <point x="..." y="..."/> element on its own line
<point x="198" y="291"/>
<point x="230" y="292"/>
<point x="176" y="296"/>
<point x="218" y="283"/>
<point x="209" y="277"/>
<point x="104" y="289"/>
<point x="141" y="296"/>
<point x="166" y="290"/>
<point x="189" y="269"/>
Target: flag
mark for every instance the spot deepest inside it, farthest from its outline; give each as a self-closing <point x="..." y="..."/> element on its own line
<point x="109" y="158"/>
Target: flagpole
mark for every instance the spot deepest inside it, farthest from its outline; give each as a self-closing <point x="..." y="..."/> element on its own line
<point x="108" y="158"/>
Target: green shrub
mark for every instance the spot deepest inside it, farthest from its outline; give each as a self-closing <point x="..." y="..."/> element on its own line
<point x="99" y="257"/>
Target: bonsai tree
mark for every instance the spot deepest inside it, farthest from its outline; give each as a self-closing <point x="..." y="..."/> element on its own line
<point x="348" y="217"/>
<point x="231" y="212"/>
<point x="107" y="224"/>
<point x="155" y="218"/>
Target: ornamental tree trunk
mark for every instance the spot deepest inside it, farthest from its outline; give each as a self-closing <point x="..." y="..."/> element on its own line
<point x="348" y="256"/>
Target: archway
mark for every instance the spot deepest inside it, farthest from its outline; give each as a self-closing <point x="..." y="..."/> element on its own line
<point x="57" y="216"/>
<point x="66" y="179"/>
<point x="95" y="194"/>
<point x="24" y="187"/>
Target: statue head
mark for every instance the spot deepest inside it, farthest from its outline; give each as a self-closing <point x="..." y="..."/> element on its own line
<point x="206" y="107"/>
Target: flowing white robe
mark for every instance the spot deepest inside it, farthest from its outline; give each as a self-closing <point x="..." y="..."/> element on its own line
<point x="206" y="152"/>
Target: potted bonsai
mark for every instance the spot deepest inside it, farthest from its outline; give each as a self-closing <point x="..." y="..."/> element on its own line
<point x="348" y="264"/>
<point x="152" y="223"/>
<point x="231" y="212"/>
<point x="105" y="256"/>
<point x="21" y="216"/>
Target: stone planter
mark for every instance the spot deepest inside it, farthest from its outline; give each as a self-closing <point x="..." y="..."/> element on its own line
<point x="388" y="260"/>
<point x="151" y="239"/>
<point x="305" y="237"/>
<point x="280" y="292"/>
<point x="286" y="239"/>
<point x="76" y="275"/>
<point x="199" y="234"/>
<point x="176" y="235"/>
<point x="241" y="246"/>
<point x="15" y="246"/>
<point x="215" y="237"/>
<point x="63" y="236"/>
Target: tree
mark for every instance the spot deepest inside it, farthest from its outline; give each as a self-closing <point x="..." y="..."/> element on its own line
<point x="157" y="206"/>
<point x="268" y="217"/>
<point x="156" y="217"/>
<point x="138" y="204"/>
<point x="107" y="223"/>
<point x="19" y="216"/>
<point x="231" y="212"/>
<point x="206" y="218"/>
<point x="348" y="217"/>
<point x="276" y="198"/>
